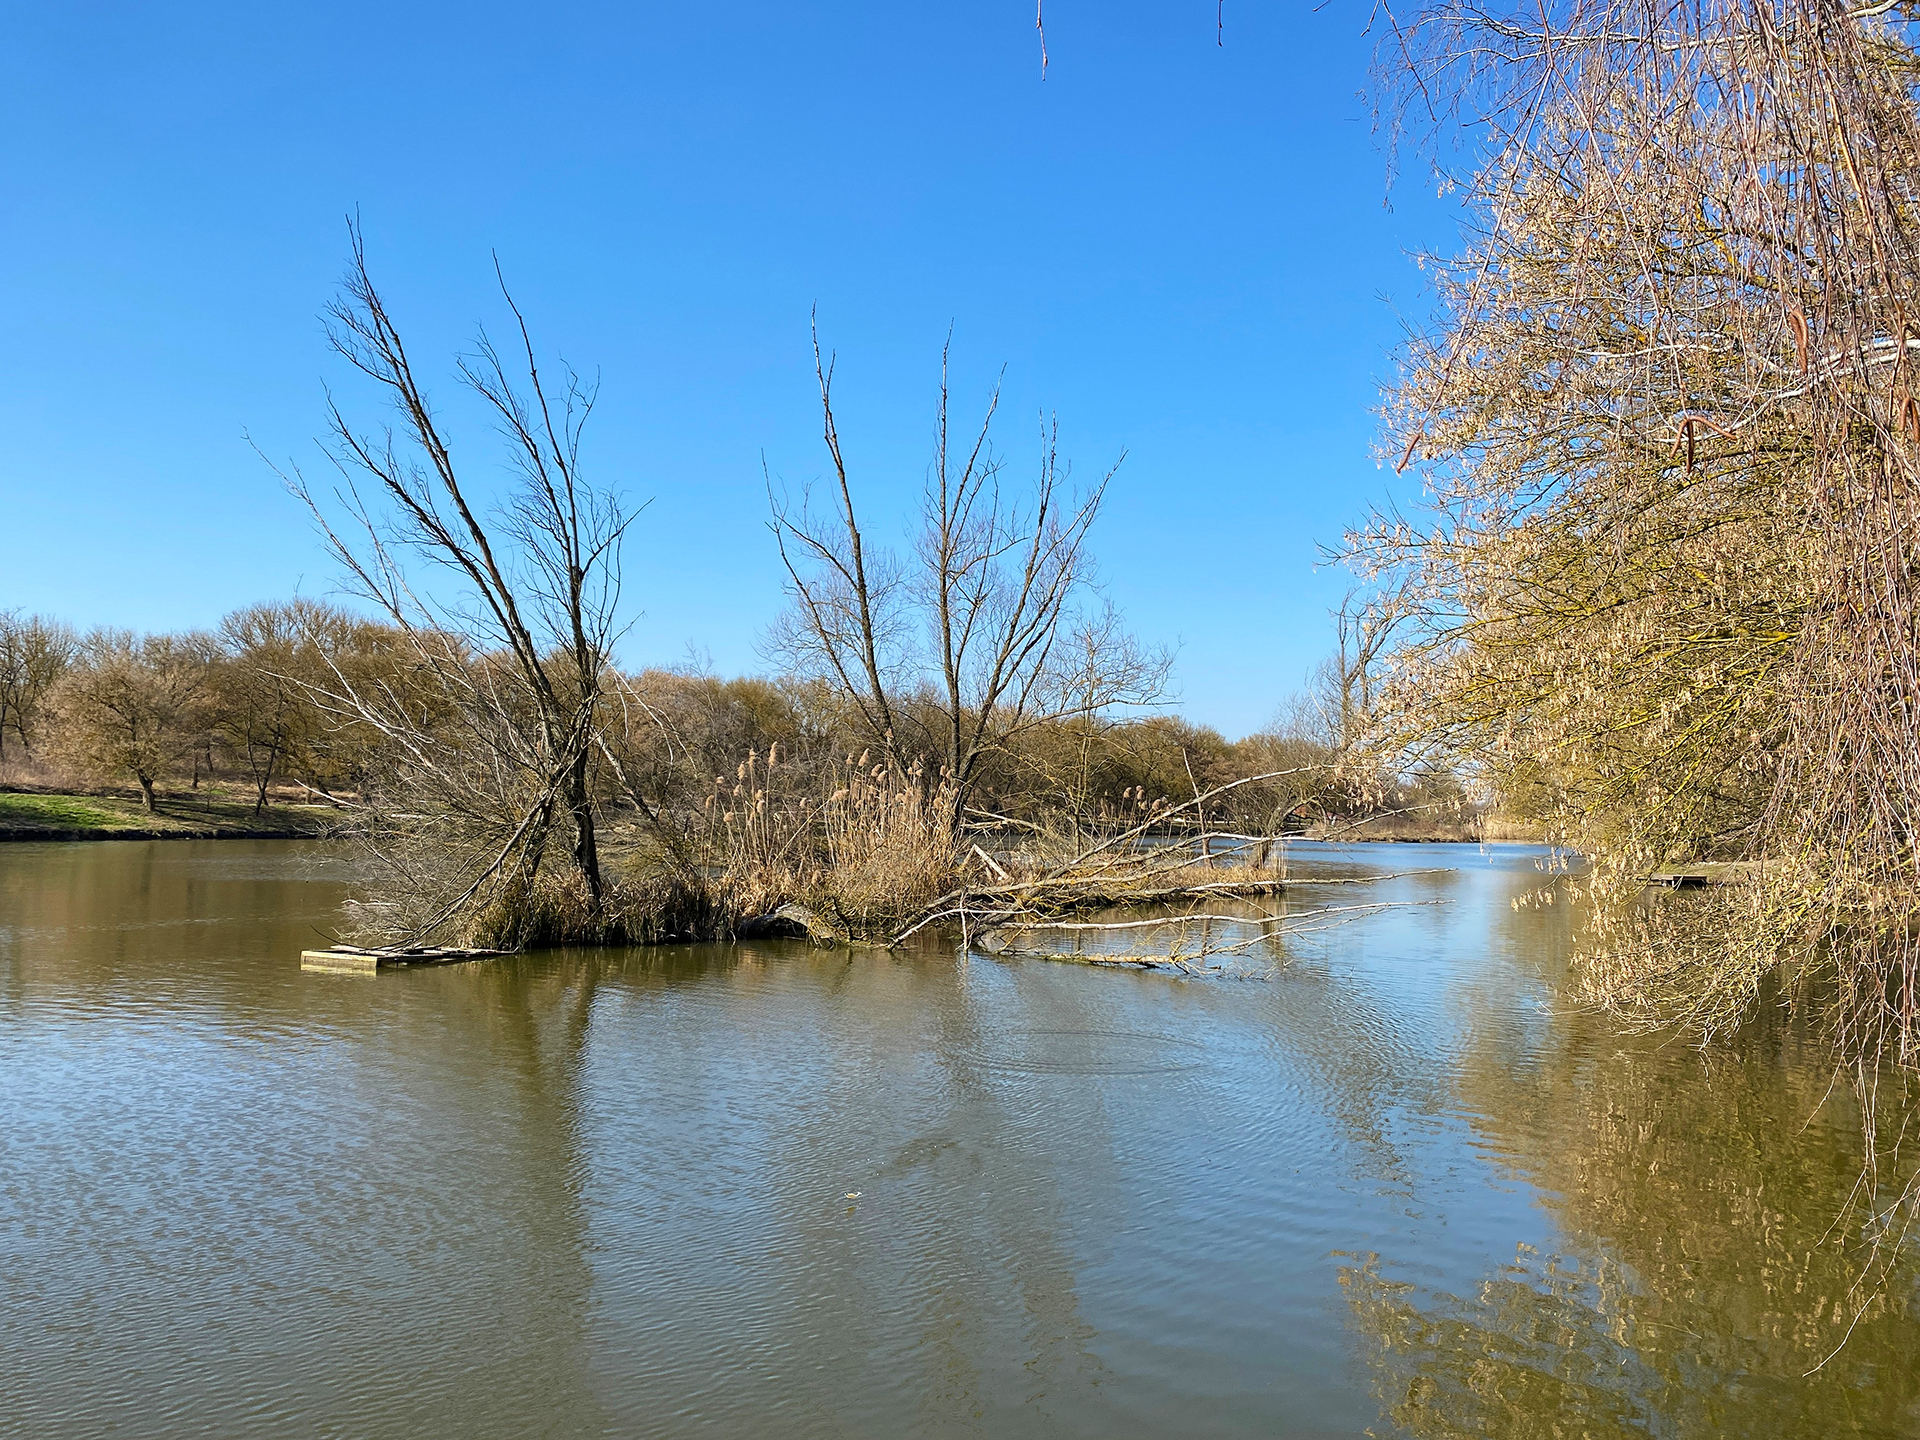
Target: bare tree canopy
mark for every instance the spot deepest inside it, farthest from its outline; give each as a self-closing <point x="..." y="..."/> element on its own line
<point x="984" y="630"/>
<point x="272" y="657"/>
<point x="34" y="653"/>
<point x="508" y="617"/>
<point x="133" y="706"/>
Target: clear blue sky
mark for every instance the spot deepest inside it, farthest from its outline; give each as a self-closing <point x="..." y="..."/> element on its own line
<point x="1181" y="248"/>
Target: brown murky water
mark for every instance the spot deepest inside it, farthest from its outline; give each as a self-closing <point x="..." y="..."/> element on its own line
<point x="763" y="1190"/>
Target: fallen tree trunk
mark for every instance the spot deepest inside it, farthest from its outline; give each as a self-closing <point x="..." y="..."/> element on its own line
<point x="791" y="920"/>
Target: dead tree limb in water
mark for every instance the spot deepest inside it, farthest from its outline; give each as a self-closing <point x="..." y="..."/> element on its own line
<point x="1186" y="954"/>
<point x="1112" y="871"/>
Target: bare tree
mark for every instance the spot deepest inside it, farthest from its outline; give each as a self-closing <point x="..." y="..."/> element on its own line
<point x="982" y="633"/>
<point x="512" y="655"/>
<point x="34" y="652"/>
<point x="264" y="715"/>
<point x="1347" y="677"/>
<point x="133" y="706"/>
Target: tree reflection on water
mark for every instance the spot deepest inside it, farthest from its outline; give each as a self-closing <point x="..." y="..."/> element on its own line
<point x="1703" y="1272"/>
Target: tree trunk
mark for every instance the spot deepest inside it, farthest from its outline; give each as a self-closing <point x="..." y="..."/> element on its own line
<point x="146" y="790"/>
<point x="586" y="848"/>
<point x="266" y="779"/>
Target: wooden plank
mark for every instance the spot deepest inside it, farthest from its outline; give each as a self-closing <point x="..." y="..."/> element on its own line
<point x="340" y="961"/>
<point x="353" y="960"/>
<point x="1706" y="872"/>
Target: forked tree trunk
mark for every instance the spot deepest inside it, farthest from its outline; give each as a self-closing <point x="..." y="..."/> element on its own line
<point x="266" y="779"/>
<point x="556" y="525"/>
<point x="146" y="790"/>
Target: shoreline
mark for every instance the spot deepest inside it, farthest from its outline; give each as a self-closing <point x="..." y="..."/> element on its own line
<point x="63" y="816"/>
<point x="242" y="832"/>
<point x="46" y="834"/>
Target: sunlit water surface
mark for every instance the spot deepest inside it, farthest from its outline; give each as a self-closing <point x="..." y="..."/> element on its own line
<point x="765" y="1190"/>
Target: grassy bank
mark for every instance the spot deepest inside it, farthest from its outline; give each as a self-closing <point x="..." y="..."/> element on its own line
<point x="209" y="815"/>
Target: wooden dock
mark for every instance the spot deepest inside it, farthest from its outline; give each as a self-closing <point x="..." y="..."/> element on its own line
<point x="1706" y="872"/>
<point x="359" y="960"/>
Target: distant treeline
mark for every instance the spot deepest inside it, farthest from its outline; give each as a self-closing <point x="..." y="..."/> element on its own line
<point x="254" y="701"/>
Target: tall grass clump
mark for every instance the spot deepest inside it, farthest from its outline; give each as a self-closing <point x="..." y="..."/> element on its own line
<point x="873" y="849"/>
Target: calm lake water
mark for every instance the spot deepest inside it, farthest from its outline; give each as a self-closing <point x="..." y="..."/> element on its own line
<point x="764" y="1190"/>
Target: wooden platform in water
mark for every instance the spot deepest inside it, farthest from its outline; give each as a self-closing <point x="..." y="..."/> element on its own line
<point x="356" y="960"/>
<point x="1707" y="872"/>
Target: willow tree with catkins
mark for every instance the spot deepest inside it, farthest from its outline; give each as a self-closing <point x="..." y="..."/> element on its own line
<point x="1665" y="597"/>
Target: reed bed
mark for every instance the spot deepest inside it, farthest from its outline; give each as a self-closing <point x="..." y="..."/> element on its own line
<point x="875" y="856"/>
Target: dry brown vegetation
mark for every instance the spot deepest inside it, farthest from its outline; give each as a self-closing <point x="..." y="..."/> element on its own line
<point x="1666" y="602"/>
<point x="111" y="708"/>
<point x="716" y="801"/>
